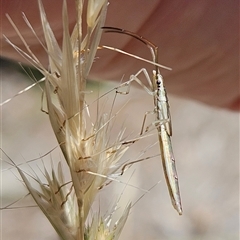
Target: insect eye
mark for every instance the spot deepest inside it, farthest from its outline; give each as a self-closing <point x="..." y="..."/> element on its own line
<point x="158" y="80"/>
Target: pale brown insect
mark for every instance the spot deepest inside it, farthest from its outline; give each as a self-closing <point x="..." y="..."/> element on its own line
<point x="163" y="118"/>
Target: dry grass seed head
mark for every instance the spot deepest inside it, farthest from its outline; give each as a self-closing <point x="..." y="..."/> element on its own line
<point x="85" y="151"/>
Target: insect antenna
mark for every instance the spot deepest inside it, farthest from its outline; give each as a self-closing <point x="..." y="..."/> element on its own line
<point x="153" y="48"/>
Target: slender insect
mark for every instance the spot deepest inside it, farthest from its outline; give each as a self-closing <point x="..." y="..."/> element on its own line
<point x="163" y="119"/>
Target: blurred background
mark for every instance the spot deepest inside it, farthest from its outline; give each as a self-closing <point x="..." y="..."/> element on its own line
<point x="206" y="147"/>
